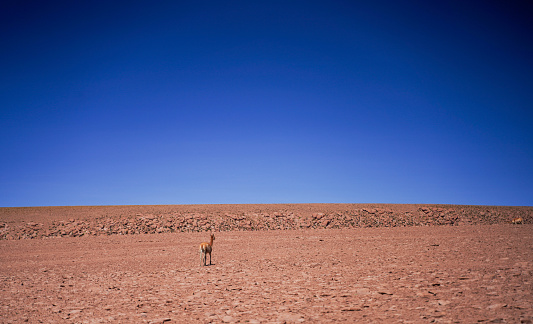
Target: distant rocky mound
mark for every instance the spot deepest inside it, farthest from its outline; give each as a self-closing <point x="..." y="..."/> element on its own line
<point x="55" y="222"/>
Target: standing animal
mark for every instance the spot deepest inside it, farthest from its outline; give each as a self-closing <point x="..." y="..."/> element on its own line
<point x="205" y="249"/>
<point x="517" y="220"/>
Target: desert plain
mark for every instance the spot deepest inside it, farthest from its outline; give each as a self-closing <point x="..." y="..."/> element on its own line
<point x="293" y="263"/>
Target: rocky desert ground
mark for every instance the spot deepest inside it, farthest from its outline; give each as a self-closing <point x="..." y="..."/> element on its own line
<point x="316" y="263"/>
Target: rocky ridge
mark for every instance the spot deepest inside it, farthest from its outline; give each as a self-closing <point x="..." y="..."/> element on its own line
<point x="55" y="222"/>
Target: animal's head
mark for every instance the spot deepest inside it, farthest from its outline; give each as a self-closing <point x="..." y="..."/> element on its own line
<point x="213" y="236"/>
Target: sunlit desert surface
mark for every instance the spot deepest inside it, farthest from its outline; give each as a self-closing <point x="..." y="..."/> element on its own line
<point x="270" y="264"/>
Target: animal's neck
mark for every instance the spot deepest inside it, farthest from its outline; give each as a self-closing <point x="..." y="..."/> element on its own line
<point x="211" y="242"/>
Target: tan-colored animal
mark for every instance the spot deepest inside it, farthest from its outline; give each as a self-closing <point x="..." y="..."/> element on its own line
<point x="205" y="249"/>
<point x="517" y="220"/>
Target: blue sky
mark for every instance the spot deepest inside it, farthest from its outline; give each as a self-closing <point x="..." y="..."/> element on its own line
<point x="173" y="102"/>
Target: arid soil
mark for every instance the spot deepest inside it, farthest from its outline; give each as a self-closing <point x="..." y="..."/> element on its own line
<point x="479" y="271"/>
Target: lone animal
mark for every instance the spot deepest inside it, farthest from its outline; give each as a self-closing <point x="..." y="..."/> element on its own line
<point x="205" y="249"/>
<point x="517" y="220"/>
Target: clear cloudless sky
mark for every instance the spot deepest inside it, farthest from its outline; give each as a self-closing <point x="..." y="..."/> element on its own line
<point x="190" y="102"/>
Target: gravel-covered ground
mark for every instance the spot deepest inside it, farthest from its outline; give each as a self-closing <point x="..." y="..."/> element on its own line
<point x="418" y="274"/>
<point x="272" y="263"/>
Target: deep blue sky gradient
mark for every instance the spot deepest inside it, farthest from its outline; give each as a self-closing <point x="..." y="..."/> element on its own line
<point x="174" y="102"/>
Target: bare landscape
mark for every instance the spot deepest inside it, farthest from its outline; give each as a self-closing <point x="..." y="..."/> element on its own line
<point x="315" y="263"/>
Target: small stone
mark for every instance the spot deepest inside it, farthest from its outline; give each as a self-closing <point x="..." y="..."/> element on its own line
<point x="496" y="306"/>
<point x="290" y="318"/>
<point x="362" y="291"/>
<point x="160" y="320"/>
<point x="351" y="309"/>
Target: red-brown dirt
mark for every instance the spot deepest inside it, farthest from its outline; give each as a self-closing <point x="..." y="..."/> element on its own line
<point x="368" y="268"/>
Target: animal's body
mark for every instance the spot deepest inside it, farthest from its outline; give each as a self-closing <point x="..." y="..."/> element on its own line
<point x="205" y="249"/>
<point x="517" y="220"/>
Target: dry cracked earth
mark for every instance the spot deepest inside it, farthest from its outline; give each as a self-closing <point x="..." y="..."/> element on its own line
<point x="423" y="274"/>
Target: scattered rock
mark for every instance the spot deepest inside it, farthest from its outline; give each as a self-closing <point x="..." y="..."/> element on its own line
<point x="147" y="220"/>
<point x="160" y="320"/>
<point x="496" y="306"/>
<point x="228" y="319"/>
